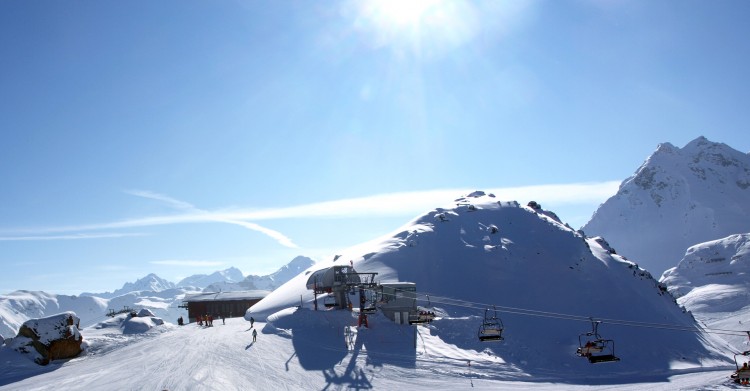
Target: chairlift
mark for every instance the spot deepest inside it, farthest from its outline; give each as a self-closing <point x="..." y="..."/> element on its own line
<point x="422" y="315"/>
<point x="368" y="307"/>
<point x="330" y="301"/>
<point x="491" y="329"/>
<point x="742" y="374"/>
<point x="596" y="349"/>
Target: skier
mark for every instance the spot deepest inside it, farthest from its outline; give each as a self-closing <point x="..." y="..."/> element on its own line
<point x="255" y="334"/>
<point x="251" y="322"/>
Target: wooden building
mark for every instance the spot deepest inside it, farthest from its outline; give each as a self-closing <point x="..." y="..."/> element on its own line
<point x="218" y="304"/>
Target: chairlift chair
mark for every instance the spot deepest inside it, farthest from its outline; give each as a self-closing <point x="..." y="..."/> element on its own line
<point x="423" y="315"/>
<point x="330" y="301"/>
<point x="596" y="349"/>
<point x="742" y="374"/>
<point x="491" y="329"/>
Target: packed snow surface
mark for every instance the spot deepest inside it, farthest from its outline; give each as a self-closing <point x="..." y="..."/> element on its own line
<point x="303" y="350"/>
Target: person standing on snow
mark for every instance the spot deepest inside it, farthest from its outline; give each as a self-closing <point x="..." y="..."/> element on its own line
<point x="251" y="322"/>
<point x="255" y="334"/>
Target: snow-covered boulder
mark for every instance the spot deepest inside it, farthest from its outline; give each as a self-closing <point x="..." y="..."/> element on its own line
<point x="51" y="338"/>
<point x="145" y="312"/>
<point x="140" y="325"/>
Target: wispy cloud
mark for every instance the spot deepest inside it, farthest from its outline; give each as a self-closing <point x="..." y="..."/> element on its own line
<point x="174" y="203"/>
<point x="191" y="209"/>
<point x="70" y="237"/>
<point x="408" y="204"/>
<point x="413" y="203"/>
<point x="187" y="263"/>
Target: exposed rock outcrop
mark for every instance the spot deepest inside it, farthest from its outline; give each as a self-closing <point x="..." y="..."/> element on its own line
<point x="52" y="338"/>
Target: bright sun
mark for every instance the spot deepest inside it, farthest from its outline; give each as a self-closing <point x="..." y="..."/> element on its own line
<point x="404" y="13"/>
<point x="421" y="27"/>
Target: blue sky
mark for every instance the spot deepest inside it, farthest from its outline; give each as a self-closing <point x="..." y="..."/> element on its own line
<point x="183" y="137"/>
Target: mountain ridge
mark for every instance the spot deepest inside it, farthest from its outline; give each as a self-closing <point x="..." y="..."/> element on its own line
<point x="697" y="193"/>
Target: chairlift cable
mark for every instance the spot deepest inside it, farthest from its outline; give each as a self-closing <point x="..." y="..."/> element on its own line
<point x="556" y="315"/>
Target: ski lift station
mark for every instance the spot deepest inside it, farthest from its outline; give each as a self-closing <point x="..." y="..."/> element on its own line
<point x="226" y="304"/>
<point x="397" y="300"/>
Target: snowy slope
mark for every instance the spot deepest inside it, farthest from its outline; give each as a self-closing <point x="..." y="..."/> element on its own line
<point x="678" y="197"/>
<point x="224" y="358"/>
<point x="20" y="306"/>
<point x="713" y="281"/>
<point x="533" y="265"/>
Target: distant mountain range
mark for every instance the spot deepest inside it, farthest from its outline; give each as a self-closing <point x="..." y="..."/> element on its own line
<point x="231" y="275"/>
<point x="151" y="292"/>
<point x="678" y="197"/>
<point x="269" y="282"/>
<point x="224" y="280"/>
<point x="151" y="282"/>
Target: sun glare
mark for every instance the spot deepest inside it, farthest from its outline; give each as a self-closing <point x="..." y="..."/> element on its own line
<point x="415" y="26"/>
<point x="404" y="13"/>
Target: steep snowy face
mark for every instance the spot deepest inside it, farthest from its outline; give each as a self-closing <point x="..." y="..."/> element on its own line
<point x="677" y="198"/>
<point x="539" y="273"/>
<point x="712" y="282"/>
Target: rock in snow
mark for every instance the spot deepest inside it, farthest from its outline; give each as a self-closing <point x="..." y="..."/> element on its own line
<point x="51" y="338"/>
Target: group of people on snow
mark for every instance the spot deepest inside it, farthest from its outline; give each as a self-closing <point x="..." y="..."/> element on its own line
<point x="207" y="319"/>
<point x="743" y="375"/>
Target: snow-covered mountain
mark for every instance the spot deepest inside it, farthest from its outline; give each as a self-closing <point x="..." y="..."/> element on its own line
<point x="545" y="279"/>
<point x="231" y="275"/>
<point x="677" y="198"/>
<point x="151" y="282"/>
<point x="713" y="281"/>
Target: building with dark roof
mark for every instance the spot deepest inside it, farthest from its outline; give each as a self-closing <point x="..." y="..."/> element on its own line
<point x="218" y="304"/>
